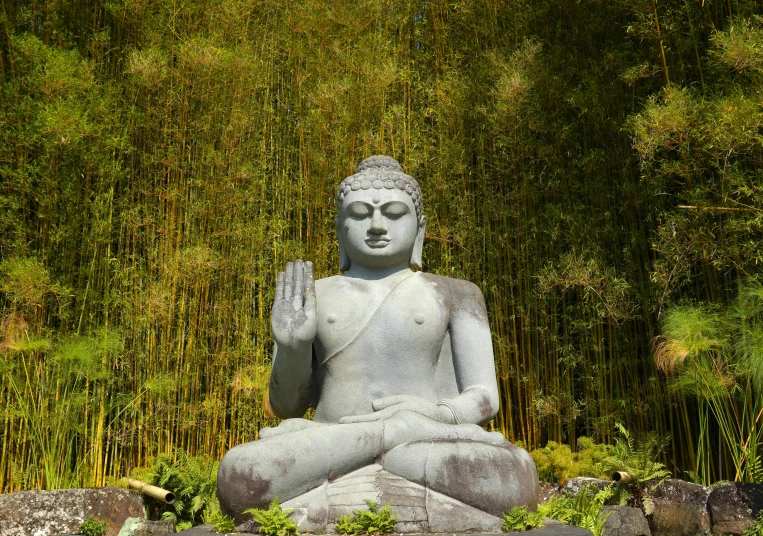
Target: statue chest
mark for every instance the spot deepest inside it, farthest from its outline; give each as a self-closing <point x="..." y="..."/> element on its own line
<point x="362" y="331"/>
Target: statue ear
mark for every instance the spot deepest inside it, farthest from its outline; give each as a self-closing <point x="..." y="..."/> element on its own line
<point x="344" y="260"/>
<point x="418" y="246"/>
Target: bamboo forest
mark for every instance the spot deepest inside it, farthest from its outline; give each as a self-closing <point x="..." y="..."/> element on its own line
<point x="595" y="167"/>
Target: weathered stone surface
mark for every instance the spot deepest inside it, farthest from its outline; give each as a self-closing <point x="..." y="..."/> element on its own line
<point x="573" y="485"/>
<point x="446" y="514"/>
<point x="417" y="508"/>
<point x="734" y="506"/>
<point x="248" y="526"/>
<point x="136" y="526"/>
<point x="203" y="530"/>
<point x="547" y="491"/>
<point x="680" y="509"/>
<point x="552" y="528"/>
<point x="625" y="521"/>
<point x="51" y="513"/>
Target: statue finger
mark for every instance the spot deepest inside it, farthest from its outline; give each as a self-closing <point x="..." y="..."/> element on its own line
<point x="288" y="291"/>
<point x="280" y="285"/>
<point x="299" y="283"/>
<point x="309" y="276"/>
<point x="311" y="305"/>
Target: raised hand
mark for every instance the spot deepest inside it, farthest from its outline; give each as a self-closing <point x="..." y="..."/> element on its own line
<point x="294" y="318"/>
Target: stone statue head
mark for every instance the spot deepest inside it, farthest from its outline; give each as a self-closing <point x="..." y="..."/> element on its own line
<point x="380" y="217"/>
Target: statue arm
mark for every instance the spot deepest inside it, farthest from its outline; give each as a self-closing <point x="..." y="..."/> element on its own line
<point x="294" y="323"/>
<point x="473" y="359"/>
<point x="289" y="389"/>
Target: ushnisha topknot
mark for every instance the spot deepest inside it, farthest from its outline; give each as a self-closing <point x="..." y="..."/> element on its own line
<point x="382" y="172"/>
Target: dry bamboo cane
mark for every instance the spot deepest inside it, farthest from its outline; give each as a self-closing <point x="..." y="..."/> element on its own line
<point x="152" y="491"/>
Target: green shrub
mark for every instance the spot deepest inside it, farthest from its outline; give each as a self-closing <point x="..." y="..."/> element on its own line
<point x="637" y="458"/>
<point x="557" y="463"/>
<point x="93" y="527"/>
<point x="220" y="521"/>
<point x="520" y="518"/>
<point x="582" y="510"/>
<point x="193" y="480"/>
<point x="371" y="521"/>
<point x="274" y="521"/>
<point x="756" y="529"/>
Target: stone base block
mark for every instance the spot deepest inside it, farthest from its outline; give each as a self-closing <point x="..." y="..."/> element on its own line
<point x="50" y="513"/>
<point x="418" y="509"/>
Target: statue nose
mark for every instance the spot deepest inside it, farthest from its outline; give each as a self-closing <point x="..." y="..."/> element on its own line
<point x="377" y="223"/>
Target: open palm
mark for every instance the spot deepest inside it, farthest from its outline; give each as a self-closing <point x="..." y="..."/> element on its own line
<point x="294" y="317"/>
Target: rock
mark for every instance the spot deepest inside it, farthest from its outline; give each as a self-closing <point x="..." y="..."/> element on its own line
<point x="734" y="506"/>
<point x="547" y="491"/>
<point x="680" y="509"/>
<point x="136" y="526"/>
<point x="625" y="521"/>
<point x="51" y="513"/>
<point x="201" y="530"/>
<point x="552" y="528"/>
<point x="573" y="485"/>
<point x="248" y="526"/>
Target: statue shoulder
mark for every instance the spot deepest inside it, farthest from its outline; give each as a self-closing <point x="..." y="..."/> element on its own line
<point x="461" y="295"/>
<point x="327" y="284"/>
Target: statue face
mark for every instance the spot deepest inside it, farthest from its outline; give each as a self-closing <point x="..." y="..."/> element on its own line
<point x="378" y="227"/>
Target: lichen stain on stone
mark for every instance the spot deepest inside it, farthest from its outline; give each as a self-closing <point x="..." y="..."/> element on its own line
<point x="243" y="491"/>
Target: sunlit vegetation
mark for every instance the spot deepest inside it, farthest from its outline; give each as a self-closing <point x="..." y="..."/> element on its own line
<point x="590" y="165"/>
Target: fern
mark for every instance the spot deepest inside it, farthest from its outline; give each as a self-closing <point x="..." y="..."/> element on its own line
<point x="582" y="510"/>
<point x="371" y="521"/>
<point x="756" y="529"/>
<point x="193" y="479"/>
<point x="638" y="459"/>
<point x="274" y="521"/>
<point x="220" y="521"/>
<point x="520" y="518"/>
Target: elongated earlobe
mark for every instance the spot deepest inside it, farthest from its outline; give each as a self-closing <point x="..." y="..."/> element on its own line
<point x="344" y="260"/>
<point x="418" y="247"/>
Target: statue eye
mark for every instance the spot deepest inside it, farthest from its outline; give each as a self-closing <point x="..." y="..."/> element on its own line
<point x="395" y="210"/>
<point x="358" y="210"/>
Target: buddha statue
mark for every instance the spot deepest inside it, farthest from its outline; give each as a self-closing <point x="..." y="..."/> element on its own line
<point x="399" y="367"/>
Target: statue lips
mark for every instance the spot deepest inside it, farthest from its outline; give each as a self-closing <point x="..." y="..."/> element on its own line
<point x="378" y="241"/>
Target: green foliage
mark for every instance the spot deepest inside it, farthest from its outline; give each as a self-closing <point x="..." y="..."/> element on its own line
<point x="520" y="518"/>
<point x="193" y="480"/>
<point x="637" y="458"/>
<point x="582" y="510"/>
<point x="50" y="381"/>
<point x="716" y="355"/>
<point x="93" y="527"/>
<point x="274" y="521"/>
<point x="557" y="463"/>
<point x="588" y="169"/>
<point x="219" y="521"/>
<point x="756" y="528"/>
<point x="371" y="521"/>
